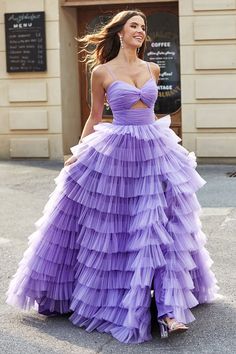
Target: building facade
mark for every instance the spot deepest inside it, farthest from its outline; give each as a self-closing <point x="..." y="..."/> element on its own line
<point x="42" y="113"/>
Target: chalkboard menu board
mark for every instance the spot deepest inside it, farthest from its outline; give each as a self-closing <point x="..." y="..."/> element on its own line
<point x="25" y="41"/>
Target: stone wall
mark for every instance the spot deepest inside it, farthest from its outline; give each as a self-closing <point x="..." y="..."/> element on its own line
<point x="208" y="77"/>
<point x="35" y="108"/>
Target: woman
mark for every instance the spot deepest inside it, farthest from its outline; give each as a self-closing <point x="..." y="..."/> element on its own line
<point x="123" y="219"/>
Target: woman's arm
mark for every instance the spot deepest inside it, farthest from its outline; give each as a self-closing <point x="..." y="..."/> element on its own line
<point x="97" y="105"/>
<point x="97" y="101"/>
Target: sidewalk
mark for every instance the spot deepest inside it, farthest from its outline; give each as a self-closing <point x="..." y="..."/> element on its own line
<point x="24" y="189"/>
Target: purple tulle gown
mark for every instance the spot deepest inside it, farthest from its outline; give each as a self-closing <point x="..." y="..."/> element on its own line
<point x="123" y="218"/>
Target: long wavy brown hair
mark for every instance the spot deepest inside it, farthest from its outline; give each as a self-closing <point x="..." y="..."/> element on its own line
<point x="106" y="42"/>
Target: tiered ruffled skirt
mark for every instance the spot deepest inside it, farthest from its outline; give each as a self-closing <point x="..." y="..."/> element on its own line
<point x="124" y="216"/>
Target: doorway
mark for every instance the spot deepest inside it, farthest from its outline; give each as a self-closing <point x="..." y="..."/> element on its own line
<point x="163" y="48"/>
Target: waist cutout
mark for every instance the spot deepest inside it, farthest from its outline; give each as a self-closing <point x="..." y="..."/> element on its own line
<point x="134" y="116"/>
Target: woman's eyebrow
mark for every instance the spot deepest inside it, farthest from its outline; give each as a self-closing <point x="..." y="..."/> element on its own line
<point x="135" y="23"/>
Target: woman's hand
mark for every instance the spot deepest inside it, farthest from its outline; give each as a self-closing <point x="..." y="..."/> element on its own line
<point x="71" y="160"/>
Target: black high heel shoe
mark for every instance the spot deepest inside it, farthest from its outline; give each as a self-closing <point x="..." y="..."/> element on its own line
<point x="166" y="329"/>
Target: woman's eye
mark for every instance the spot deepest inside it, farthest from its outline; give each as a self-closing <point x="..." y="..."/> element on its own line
<point x="134" y="26"/>
<point x="143" y="28"/>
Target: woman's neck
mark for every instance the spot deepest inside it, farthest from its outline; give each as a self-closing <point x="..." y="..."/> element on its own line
<point x="128" y="56"/>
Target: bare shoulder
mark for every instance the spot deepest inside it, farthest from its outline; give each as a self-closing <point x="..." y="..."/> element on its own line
<point x="99" y="75"/>
<point x="99" y="71"/>
<point x="155" y="68"/>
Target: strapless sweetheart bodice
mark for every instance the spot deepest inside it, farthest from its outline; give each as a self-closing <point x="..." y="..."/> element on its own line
<point x="121" y="96"/>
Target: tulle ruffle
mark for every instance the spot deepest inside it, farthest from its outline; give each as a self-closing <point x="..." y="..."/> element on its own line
<point x="124" y="215"/>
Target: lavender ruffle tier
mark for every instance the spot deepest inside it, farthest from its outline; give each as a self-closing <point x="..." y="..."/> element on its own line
<point x="123" y="215"/>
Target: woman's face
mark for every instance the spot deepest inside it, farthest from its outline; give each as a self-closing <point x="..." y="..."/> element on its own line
<point x="134" y="32"/>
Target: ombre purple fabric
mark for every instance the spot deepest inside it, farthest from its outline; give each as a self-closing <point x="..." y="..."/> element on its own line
<point x="124" y="216"/>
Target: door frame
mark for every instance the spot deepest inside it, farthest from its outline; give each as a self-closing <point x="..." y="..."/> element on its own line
<point x="170" y="6"/>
